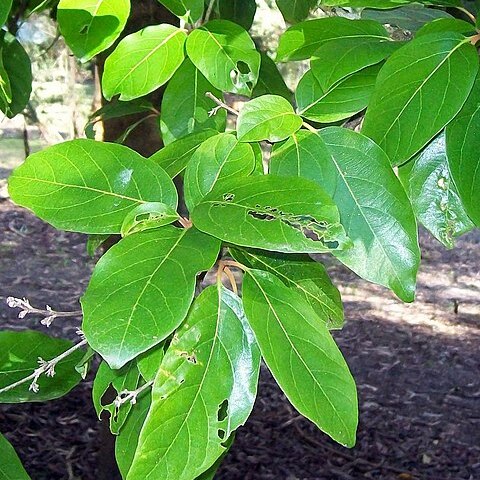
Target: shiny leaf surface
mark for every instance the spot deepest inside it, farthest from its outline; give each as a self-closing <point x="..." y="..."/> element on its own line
<point x="188" y="10"/>
<point x="11" y="467"/>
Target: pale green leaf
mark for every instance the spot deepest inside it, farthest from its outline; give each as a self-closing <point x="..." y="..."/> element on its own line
<point x="447" y="25"/>
<point x="91" y="26"/>
<point x="342" y="100"/>
<point x="114" y="382"/>
<point x="143" y="61"/>
<point x="219" y="158"/>
<point x="302" y="355"/>
<point x="420" y="89"/>
<point x="87" y="186"/>
<point x="186" y="109"/>
<point x="307" y="277"/>
<point x="141" y="290"/>
<point x="189" y="11"/>
<point x="147" y="216"/>
<point x="204" y="391"/>
<point x="149" y="362"/>
<point x="19" y="355"/>
<point x="301" y="41"/>
<point x="11" y="467"/>
<point x="269" y="117"/>
<point x="373" y="205"/>
<point x="5" y="87"/>
<point x="270" y="212"/>
<point x="463" y="147"/>
<point x="434" y="197"/>
<point x="174" y="157"/>
<point x="226" y="55"/>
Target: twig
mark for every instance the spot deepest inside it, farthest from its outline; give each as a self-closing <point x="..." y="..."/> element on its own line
<point x="46" y="367"/>
<point x="131" y="396"/>
<point x="309" y="127"/>
<point x="220" y="104"/>
<point x="48" y="314"/>
<point x="233" y="263"/>
<point x="467" y="13"/>
<point x="208" y="14"/>
<point x="185" y="222"/>
<point x="475" y="39"/>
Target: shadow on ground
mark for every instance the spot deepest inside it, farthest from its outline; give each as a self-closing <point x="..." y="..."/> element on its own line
<point x="417" y="368"/>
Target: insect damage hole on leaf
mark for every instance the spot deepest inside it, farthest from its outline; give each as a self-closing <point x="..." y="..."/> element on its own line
<point x="222" y="411"/>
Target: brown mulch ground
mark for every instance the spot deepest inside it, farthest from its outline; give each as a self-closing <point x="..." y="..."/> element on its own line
<point x="417" y="368"/>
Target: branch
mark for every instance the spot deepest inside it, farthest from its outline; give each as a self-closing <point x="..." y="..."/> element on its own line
<point x="209" y="11"/>
<point x="220" y="104"/>
<point x="46" y="367"/>
<point x="48" y="314"/>
<point x="131" y="396"/>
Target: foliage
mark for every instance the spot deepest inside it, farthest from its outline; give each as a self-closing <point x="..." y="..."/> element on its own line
<point x="393" y="142"/>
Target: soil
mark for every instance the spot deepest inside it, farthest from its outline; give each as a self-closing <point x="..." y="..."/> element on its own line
<point x="417" y="368"/>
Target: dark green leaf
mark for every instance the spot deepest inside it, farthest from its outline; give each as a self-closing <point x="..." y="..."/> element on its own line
<point x="114" y="382"/>
<point x="19" y="357"/>
<point x="143" y="61"/>
<point x="219" y="158"/>
<point x="141" y="290"/>
<point x="291" y="215"/>
<point x="434" y="197"/>
<point x="463" y="147"/>
<point x="447" y="25"/>
<point x="238" y="11"/>
<point x="94" y="242"/>
<point x="204" y="391"/>
<point x="421" y="88"/>
<point x="185" y="108"/>
<point x="270" y="80"/>
<point x="5" y="87"/>
<point x="174" y="157"/>
<point x="87" y="186"/>
<point x="302" y="356"/>
<point x="11" y="467"/>
<point x="226" y="55"/>
<point x="342" y="100"/>
<point x="297" y="10"/>
<point x="149" y="362"/>
<point x="5" y="8"/>
<point x="91" y="27"/>
<point x="307" y="277"/>
<point x="188" y="10"/>
<point x="301" y="41"/>
<point x="374" y="208"/>
<point x="269" y="117"/>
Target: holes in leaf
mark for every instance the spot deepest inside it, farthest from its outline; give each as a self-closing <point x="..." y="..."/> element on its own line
<point x="84" y="30"/>
<point x="222" y="411"/>
<point x="189" y="357"/>
<point x="221" y="433"/>
<point x="229" y="197"/>
<point x="243" y="67"/>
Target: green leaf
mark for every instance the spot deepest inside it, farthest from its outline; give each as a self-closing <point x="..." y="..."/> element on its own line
<point x="121" y="380"/>
<point x="149" y="362"/>
<point x="94" y="242"/>
<point x="302" y="355"/>
<point x="291" y="215"/>
<point x="147" y="216"/>
<point x="174" y="157"/>
<point x="447" y="25"/>
<point x="17" y="66"/>
<point x="218" y="158"/>
<point x="226" y="55"/>
<point x="87" y="186"/>
<point x="435" y="200"/>
<point x="374" y="207"/>
<point x="5" y="87"/>
<point x="141" y="290"/>
<point x="143" y="61"/>
<point x="269" y="117"/>
<point x="296" y="11"/>
<point x="301" y="41"/>
<point x="91" y="27"/>
<point x="337" y="59"/>
<point x="385" y="4"/>
<point x="462" y="151"/>
<point x="19" y="356"/>
<point x="187" y="10"/>
<point x="410" y="17"/>
<point x="5" y="8"/>
<point x="342" y="100"/>
<point x="270" y="80"/>
<point x="11" y="467"/>
<point x="241" y="12"/>
<point x="204" y="391"/>
<point x="421" y="88"/>
<point x="307" y="277"/>
<point x="127" y="440"/>
<point x="186" y="109"/>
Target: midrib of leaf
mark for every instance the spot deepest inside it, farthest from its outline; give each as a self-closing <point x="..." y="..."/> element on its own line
<point x="420" y="87"/>
<point x="359" y="207"/>
<point x="94" y="14"/>
<point x="270" y="119"/>
<point x="200" y="386"/>
<point x="220" y="46"/>
<point x="146" y="57"/>
<point x="298" y="354"/>
<point x="82" y="187"/>
<point x="147" y="284"/>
